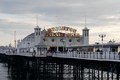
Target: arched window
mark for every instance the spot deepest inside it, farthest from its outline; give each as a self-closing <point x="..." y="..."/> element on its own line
<point x="85" y="33"/>
<point x="52" y="40"/>
<point x="44" y="39"/>
<point x="70" y="40"/>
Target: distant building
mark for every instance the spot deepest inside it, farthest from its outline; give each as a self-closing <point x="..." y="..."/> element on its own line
<point x="55" y="38"/>
<point x="7" y="49"/>
<point x="107" y="47"/>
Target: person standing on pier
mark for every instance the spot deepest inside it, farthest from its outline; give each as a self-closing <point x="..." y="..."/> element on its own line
<point x="34" y="53"/>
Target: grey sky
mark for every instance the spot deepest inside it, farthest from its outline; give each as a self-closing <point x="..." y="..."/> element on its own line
<point x="103" y="16"/>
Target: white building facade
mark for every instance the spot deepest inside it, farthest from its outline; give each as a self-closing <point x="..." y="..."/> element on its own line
<point x="56" y="38"/>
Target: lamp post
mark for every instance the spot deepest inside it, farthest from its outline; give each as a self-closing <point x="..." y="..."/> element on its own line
<point x="102" y="36"/>
<point x="14" y="42"/>
<point x="62" y="40"/>
<point x="63" y="45"/>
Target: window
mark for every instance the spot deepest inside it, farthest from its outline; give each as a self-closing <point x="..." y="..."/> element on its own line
<point x="61" y="40"/>
<point x="70" y="40"/>
<point x="52" y="40"/>
<point x="85" y="34"/>
<point x="44" y="39"/>
<point x="36" y="33"/>
<point x="78" y="40"/>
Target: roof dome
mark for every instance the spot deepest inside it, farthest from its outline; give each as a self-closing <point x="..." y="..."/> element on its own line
<point x="85" y="28"/>
<point x="29" y="37"/>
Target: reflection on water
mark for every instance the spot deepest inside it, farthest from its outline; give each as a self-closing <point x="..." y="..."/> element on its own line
<point x="51" y="71"/>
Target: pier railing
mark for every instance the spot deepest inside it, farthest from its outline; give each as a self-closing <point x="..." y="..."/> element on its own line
<point x="89" y="55"/>
<point x="75" y="54"/>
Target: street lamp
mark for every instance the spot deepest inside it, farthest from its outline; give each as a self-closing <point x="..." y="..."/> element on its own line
<point x="15" y="42"/>
<point x="102" y="36"/>
<point x="63" y="45"/>
<point x="62" y="40"/>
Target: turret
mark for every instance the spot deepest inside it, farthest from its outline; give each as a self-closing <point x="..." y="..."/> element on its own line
<point x="85" y="35"/>
<point x="37" y="35"/>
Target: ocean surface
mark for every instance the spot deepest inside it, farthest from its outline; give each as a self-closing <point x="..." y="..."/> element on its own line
<point x="4" y="72"/>
<point x="8" y="72"/>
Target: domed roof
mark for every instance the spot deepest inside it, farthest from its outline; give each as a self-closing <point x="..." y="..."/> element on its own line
<point x="85" y="28"/>
<point x="29" y="37"/>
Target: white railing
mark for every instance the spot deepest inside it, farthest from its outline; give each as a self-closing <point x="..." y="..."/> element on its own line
<point x="89" y="55"/>
<point x="75" y="54"/>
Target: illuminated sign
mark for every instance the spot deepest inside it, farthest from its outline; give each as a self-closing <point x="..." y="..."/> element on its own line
<point x="61" y="35"/>
<point x="50" y="32"/>
<point x="62" y="28"/>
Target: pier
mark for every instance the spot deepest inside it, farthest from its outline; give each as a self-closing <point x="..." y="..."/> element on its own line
<point x="63" y="66"/>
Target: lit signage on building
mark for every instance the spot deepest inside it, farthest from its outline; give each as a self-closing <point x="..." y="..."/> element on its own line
<point x="62" y="28"/>
<point x="50" y="32"/>
<point x="61" y="35"/>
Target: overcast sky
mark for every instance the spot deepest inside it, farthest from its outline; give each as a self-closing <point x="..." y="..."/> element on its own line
<point x="102" y="17"/>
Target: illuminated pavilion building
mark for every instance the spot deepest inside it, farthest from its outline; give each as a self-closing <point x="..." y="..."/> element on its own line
<point x="55" y="38"/>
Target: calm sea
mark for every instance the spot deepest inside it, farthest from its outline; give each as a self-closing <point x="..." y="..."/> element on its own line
<point x="4" y="72"/>
<point x="22" y="73"/>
